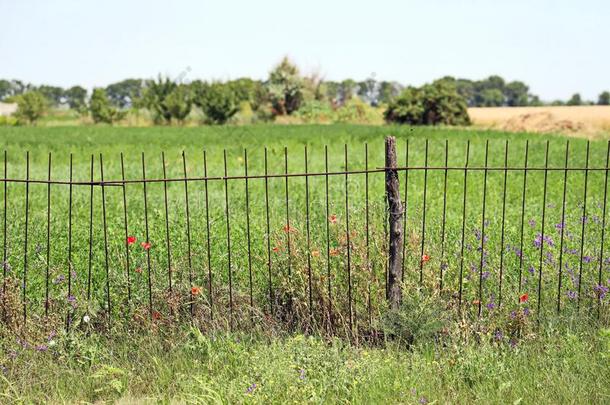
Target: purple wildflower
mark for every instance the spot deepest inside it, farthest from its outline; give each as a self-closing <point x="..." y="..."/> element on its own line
<point x="526" y="311"/>
<point x="531" y="269"/>
<point x="571" y="294"/>
<point x="59" y="279"/>
<point x="42" y="348"/>
<point x="491" y="305"/>
<point x="513" y="314"/>
<point x="601" y="290"/>
<point x="587" y="259"/>
<point x="498" y="335"/>
<point x="560" y="226"/>
<point x="301" y="374"/>
<point x="251" y="388"/>
<point x="423" y="400"/>
<point x="485" y="275"/>
<point x="532" y="223"/>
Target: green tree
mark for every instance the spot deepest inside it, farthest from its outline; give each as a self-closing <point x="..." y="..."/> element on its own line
<point x="53" y="94"/>
<point x="125" y="93"/>
<point x="102" y="111"/>
<point x="31" y="106"/>
<point x="516" y="94"/>
<point x="491" y="98"/>
<point x="388" y="91"/>
<point x="178" y="103"/>
<point x="431" y="104"/>
<point x="5" y="89"/>
<point x="285" y="86"/>
<point x="575" y="100"/>
<point x="604" y="98"/>
<point x="76" y="98"/>
<point x="218" y="101"/>
<point x="155" y="97"/>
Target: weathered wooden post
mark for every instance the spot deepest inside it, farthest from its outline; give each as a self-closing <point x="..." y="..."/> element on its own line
<point x="392" y="187"/>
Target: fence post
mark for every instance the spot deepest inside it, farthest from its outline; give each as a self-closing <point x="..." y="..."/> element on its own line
<point x="392" y="187"/>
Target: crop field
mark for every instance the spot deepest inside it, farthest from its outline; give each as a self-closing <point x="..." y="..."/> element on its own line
<point x="234" y="284"/>
<point x="587" y="121"/>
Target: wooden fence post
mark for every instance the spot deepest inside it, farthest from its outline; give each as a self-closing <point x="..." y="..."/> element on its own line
<point x="392" y="187"/>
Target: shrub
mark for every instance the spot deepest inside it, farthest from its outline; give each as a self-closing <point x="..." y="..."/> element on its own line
<point x="218" y="102"/>
<point x="8" y="121"/>
<point x="101" y="109"/>
<point x="285" y="86"/>
<point x="179" y="103"/>
<point x="431" y="104"/>
<point x="31" y="106"/>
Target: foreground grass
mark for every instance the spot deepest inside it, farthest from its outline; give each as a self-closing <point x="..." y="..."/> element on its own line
<point x="567" y="367"/>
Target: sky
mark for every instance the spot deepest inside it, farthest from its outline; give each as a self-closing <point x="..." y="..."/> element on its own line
<point x="557" y="47"/>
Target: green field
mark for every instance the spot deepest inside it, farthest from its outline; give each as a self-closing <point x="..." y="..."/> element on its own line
<point x="290" y="272"/>
<point x="513" y="353"/>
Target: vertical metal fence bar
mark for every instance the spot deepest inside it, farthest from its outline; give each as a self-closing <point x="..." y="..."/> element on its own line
<point x="46" y="278"/>
<point x="309" y="281"/>
<point x="287" y="227"/>
<point x="25" y="244"/>
<point x="582" y="229"/>
<point x="228" y="222"/>
<point x="268" y="234"/>
<point x="349" y="269"/>
<point x="503" y="223"/>
<point x="167" y="242"/>
<point x="546" y="164"/>
<point x="107" y="265"/>
<point x="150" y="303"/>
<point x="328" y="272"/>
<point x="91" y="231"/>
<point x="601" y="249"/>
<point x="461" y="281"/>
<point x="248" y="237"/>
<point x="482" y="258"/>
<point x="188" y="234"/>
<point x="369" y="267"/>
<point x="4" y="245"/>
<point x="207" y="226"/>
<point x="527" y="145"/>
<point x="563" y="220"/>
<point x="423" y="224"/>
<point x="68" y="316"/>
<point x="125" y="225"/>
<point x="443" y="263"/>
<point x="404" y="219"/>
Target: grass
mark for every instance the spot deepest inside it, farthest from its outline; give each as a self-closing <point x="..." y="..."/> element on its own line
<point x="513" y="353"/>
<point x="566" y="365"/>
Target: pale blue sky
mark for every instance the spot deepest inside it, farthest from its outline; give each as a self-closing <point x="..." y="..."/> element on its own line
<point x="557" y="47"/>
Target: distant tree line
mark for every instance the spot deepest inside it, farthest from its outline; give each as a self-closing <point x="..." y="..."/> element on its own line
<point x="285" y="92"/>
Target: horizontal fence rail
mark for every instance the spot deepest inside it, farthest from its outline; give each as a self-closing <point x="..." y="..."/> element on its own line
<point x="306" y="249"/>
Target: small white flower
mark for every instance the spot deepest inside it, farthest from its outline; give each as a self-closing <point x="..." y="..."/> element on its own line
<point x="51" y="343"/>
<point x="86" y="319"/>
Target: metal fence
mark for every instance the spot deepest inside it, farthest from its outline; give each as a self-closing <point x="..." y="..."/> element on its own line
<point x="365" y="220"/>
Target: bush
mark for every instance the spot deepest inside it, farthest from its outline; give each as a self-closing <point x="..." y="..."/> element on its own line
<point x="101" y="109"/>
<point x="218" y="102"/>
<point x="8" y="121"/>
<point x="31" y="106"/>
<point x="431" y="104"/>
<point x="167" y="100"/>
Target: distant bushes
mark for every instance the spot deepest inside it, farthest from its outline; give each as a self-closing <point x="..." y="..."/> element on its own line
<point x="30" y="107"/>
<point x="101" y="109"/>
<point x="431" y="104"/>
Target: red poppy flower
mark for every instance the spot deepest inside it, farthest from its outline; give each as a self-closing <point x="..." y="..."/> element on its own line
<point x="315" y="253"/>
<point x="131" y="240"/>
<point x="195" y="290"/>
<point x="288" y="228"/>
<point x="332" y="219"/>
<point x="425" y="258"/>
<point x="138" y="270"/>
<point x="145" y="245"/>
<point x="476" y="302"/>
<point x="276" y="249"/>
<point x="156" y="315"/>
<point x="334" y="252"/>
<point x="523" y="297"/>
